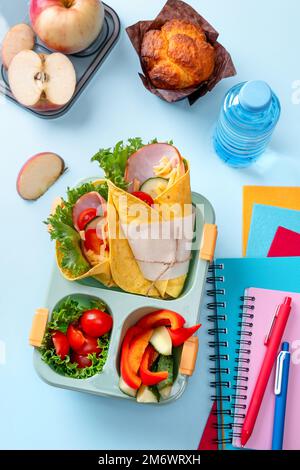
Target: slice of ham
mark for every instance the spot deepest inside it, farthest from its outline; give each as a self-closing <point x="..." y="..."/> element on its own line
<point x="92" y="200"/>
<point x="162" y="250"/>
<point x="140" y="166"/>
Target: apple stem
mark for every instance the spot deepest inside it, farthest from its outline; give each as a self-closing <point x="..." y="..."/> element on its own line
<point x="68" y="3"/>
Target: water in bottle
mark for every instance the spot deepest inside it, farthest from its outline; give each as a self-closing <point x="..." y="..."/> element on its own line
<point x="246" y="123"/>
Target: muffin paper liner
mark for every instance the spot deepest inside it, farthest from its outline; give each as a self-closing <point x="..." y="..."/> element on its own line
<point x="176" y="9"/>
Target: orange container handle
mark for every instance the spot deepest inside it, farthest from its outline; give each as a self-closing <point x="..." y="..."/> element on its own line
<point x="189" y="356"/>
<point x="209" y="241"/>
<point x="38" y="328"/>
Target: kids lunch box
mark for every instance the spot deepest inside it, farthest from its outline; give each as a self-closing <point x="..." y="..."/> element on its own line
<point x="86" y="63"/>
<point x="127" y="309"/>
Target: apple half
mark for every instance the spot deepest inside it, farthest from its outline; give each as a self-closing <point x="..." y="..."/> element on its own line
<point x="19" y="38"/>
<point x="42" y="81"/>
<point x="38" y="174"/>
<point x="67" y="26"/>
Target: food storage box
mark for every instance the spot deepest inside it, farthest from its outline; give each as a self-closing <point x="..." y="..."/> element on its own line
<point x="127" y="309"/>
<point x="86" y="63"/>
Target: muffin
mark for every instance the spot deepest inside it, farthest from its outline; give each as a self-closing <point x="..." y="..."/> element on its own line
<point x="177" y="56"/>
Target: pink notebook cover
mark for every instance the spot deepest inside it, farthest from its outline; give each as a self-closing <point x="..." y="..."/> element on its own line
<point x="265" y="304"/>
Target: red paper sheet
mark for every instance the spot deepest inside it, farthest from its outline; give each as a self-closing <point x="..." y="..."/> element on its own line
<point x="286" y="243"/>
<point x="210" y="434"/>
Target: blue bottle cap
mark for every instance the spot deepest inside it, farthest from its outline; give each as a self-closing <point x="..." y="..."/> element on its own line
<point x="255" y="96"/>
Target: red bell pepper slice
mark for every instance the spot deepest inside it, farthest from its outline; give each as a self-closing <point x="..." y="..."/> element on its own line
<point x="162" y="318"/>
<point x="137" y="349"/>
<point x="151" y="378"/>
<point x="180" y="335"/>
<point x="128" y="375"/>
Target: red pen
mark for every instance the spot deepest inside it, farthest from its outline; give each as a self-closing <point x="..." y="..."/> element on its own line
<point x="272" y="342"/>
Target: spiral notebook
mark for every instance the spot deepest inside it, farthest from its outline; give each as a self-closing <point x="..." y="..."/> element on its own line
<point x="260" y="305"/>
<point x="229" y="278"/>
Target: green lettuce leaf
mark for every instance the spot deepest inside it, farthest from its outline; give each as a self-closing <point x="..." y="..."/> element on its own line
<point x="68" y="312"/>
<point x="113" y="160"/>
<point x="63" y="231"/>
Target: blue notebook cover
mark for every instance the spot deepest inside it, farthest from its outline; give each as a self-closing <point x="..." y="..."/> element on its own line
<point x="264" y="224"/>
<point x="231" y="277"/>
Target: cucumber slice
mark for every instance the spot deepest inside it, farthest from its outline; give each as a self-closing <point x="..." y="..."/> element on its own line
<point x="166" y="363"/>
<point x="146" y="395"/>
<point x="155" y="391"/>
<point x="166" y="392"/>
<point x="161" y="341"/>
<point x="131" y="392"/>
<point x="93" y="224"/>
<point x="154" y="186"/>
<point x="177" y="352"/>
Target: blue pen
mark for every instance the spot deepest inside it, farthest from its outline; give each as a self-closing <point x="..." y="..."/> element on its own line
<point x="281" y="389"/>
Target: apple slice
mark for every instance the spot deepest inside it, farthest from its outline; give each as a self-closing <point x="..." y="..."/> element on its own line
<point x="19" y="38"/>
<point x="38" y="174"/>
<point x="42" y="81"/>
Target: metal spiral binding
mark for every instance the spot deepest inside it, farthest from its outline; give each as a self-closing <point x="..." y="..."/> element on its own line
<point x="218" y="319"/>
<point x="243" y="360"/>
<point x="236" y="407"/>
<point x="222" y="413"/>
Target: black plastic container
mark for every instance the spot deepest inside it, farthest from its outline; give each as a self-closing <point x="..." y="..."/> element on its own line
<point x="86" y="63"/>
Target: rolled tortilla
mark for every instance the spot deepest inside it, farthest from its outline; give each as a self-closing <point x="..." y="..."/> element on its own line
<point x="101" y="271"/>
<point x="151" y="266"/>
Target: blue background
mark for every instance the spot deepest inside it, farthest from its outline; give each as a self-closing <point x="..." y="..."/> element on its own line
<point x="263" y="43"/>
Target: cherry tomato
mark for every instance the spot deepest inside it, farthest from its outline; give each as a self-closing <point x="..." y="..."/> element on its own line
<point x="82" y="361"/>
<point x="61" y="344"/>
<point x="92" y="242"/>
<point x="96" y="323"/>
<point x="90" y="346"/>
<point x="75" y="337"/>
<point x="85" y="217"/>
<point x="144" y="197"/>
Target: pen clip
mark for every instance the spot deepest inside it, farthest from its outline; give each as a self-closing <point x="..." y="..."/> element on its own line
<point x="279" y="370"/>
<point x="268" y="337"/>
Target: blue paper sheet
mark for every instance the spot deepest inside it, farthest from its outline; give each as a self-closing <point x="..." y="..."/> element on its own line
<point x="264" y="225"/>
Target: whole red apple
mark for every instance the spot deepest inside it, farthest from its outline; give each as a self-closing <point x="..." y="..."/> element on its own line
<point x="67" y="26"/>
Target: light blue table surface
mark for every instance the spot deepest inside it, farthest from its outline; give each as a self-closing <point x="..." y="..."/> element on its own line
<point x="263" y="41"/>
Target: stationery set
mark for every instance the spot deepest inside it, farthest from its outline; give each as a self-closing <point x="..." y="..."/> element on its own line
<point x="255" y="329"/>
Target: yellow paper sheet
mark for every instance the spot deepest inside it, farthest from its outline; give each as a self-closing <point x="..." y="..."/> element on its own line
<point x="278" y="196"/>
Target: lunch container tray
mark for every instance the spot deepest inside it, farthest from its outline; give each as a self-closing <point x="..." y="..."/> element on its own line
<point x="86" y="62"/>
<point x="127" y="309"/>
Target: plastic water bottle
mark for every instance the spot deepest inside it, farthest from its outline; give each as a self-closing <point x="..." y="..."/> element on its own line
<point x="246" y="123"/>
